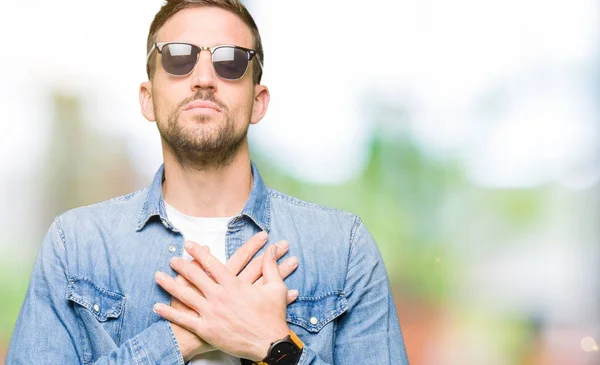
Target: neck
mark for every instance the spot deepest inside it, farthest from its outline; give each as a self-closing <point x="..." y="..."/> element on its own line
<point x="214" y="192"/>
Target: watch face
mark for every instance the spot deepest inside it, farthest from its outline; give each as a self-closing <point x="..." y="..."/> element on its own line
<point x="284" y="353"/>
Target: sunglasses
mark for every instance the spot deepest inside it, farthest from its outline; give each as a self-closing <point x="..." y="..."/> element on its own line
<point x="179" y="59"/>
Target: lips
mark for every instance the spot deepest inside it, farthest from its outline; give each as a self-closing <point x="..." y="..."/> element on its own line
<point x="202" y="104"/>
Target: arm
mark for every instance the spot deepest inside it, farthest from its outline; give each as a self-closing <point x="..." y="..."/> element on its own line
<point x="369" y="329"/>
<point x="48" y="330"/>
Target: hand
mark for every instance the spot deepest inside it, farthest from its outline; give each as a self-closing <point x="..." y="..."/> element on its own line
<point x="191" y="345"/>
<point x="234" y="316"/>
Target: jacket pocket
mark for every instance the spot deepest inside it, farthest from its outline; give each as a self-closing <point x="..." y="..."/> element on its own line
<point x="102" y="303"/>
<point x="314" y="313"/>
<point x="100" y="312"/>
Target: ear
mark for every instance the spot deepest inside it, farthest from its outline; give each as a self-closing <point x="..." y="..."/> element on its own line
<point x="261" y="102"/>
<point x="146" y="101"/>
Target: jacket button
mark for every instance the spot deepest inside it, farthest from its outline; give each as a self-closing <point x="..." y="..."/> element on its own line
<point x="172" y="248"/>
<point x="314" y="320"/>
<point x="96" y="308"/>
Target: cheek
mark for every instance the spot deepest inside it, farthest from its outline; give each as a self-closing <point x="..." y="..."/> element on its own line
<point x="167" y="98"/>
<point x="163" y="107"/>
<point x="243" y="109"/>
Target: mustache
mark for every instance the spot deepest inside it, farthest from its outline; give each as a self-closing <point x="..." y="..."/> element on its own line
<point x="203" y="95"/>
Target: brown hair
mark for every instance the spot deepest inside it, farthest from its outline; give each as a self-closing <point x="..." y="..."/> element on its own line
<point x="172" y="7"/>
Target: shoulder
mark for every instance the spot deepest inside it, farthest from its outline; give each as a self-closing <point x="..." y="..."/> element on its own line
<point x="113" y="213"/>
<point x="280" y="201"/>
<point x="319" y="222"/>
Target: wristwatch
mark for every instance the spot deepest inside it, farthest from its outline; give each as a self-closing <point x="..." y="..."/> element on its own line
<point x="283" y="352"/>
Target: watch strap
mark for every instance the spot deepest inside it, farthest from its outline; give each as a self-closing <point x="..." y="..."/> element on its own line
<point x="296" y="340"/>
<point x="292" y="337"/>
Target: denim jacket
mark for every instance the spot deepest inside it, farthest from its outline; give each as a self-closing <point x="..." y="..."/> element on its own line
<point x="92" y="289"/>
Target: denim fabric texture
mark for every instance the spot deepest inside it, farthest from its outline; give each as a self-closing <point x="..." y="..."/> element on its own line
<point x="92" y="289"/>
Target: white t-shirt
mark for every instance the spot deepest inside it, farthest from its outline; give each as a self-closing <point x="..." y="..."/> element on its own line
<point x="208" y="232"/>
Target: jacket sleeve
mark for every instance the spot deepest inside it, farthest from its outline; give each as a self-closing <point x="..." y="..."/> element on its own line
<point x="369" y="330"/>
<point x="48" y="330"/>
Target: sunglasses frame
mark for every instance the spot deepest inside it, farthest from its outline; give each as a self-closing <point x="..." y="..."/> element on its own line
<point x="160" y="45"/>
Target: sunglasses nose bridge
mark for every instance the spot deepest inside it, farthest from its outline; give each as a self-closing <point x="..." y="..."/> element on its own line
<point x="205" y="48"/>
<point x="209" y="51"/>
<point x="204" y="72"/>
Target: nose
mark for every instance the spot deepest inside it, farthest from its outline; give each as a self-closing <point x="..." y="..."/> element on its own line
<point x="204" y="76"/>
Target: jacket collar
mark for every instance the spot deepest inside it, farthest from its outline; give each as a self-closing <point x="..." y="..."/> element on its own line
<point x="257" y="208"/>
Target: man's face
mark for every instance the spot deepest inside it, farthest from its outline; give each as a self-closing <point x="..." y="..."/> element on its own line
<point x="202" y="118"/>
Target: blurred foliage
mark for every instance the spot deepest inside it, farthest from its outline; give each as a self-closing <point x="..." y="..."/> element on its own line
<point x="13" y="292"/>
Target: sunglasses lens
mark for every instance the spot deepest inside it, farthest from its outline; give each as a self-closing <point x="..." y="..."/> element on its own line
<point x="230" y="63"/>
<point x="179" y="59"/>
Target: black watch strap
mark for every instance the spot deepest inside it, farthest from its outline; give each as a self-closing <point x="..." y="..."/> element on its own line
<point x="293" y="344"/>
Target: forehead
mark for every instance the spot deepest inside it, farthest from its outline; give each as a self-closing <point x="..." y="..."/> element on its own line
<point x="206" y="26"/>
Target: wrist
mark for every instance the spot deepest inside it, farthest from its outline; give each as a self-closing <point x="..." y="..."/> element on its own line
<point x="285" y="351"/>
<point x="263" y="346"/>
<point x="188" y="343"/>
<point x="187" y="352"/>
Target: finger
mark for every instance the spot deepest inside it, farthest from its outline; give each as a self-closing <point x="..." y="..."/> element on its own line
<point x="180" y="279"/>
<point x="242" y="255"/>
<point x="285" y="269"/>
<point x="175" y="303"/>
<point x="269" y="266"/>
<point x="211" y="265"/>
<point x="292" y="295"/>
<point x="180" y="318"/>
<point x="254" y="269"/>
<point x="184" y="294"/>
<point x="194" y="274"/>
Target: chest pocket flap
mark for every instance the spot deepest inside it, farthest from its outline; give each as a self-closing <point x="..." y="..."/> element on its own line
<point x="313" y="313"/>
<point x="102" y="303"/>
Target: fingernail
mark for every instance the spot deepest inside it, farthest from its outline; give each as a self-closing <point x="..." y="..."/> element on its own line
<point x="173" y="260"/>
<point x="159" y="276"/>
<point x="292" y="261"/>
<point x="188" y="245"/>
<point x="263" y="235"/>
<point x="157" y="307"/>
<point x="283" y="245"/>
<point x="293" y="293"/>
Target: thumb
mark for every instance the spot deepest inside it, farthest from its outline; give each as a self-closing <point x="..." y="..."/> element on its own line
<point x="270" y="270"/>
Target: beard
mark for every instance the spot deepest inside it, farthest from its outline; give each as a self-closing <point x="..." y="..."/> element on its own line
<point x="198" y="146"/>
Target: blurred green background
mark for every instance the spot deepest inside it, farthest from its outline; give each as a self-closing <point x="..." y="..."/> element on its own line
<point x="465" y="134"/>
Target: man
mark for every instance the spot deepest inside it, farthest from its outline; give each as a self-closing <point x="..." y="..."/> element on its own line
<point x="113" y="284"/>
